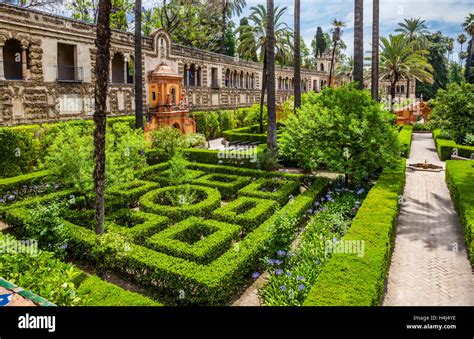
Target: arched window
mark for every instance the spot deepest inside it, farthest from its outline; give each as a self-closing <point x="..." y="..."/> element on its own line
<point x="192" y="75"/>
<point x="118" y="68"/>
<point x="398" y="89"/>
<point x="130" y="70"/>
<point x="235" y="79"/>
<point x="12" y="60"/>
<point x="321" y="67"/>
<point x="402" y="88"/>
<point x="198" y="76"/>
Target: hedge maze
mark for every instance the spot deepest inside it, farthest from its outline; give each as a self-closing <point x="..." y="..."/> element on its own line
<point x="200" y="249"/>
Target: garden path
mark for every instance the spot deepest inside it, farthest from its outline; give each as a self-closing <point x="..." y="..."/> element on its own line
<point x="429" y="264"/>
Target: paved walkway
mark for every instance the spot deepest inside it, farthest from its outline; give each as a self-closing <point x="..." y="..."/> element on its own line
<point x="429" y="264"/>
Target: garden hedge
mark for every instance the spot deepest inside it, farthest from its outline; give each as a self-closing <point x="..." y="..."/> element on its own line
<point x="210" y="199"/>
<point x="404" y="138"/>
<point x="270" y="188"/>
<point x="350" y="280"/>
<point x="250" y="133"/>
<point x="209" y="284"/>
<point x="247" y="212"/>
<point x="227" y="184"/>
<point x="183" y="239"/>
<point x="445" y="147"/>
<point x="249" y="157"/>
<point x="127" y="194"/>
<point x="459" y="177"/>
<point x="23" y="182"/>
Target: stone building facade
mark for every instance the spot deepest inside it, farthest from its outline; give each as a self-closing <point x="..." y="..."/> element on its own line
<point x="47" y="70"/>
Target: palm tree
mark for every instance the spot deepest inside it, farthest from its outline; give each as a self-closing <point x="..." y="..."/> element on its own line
<point x="461" y="40"/>
<point x="336" y="31"/>
<point x="399" y="60"/>
<point x="138" y="66"/>
<point x="270" y="50"/>
<point x="415" y="30"/>
<point x="255" y="36"/>
<point x="229" y="8"/>
<point x="359" y="42"/>
<point x="297" y="55"/>
<point x="375" y="50"/>
<point x="102" y="75"/>
<point x="468" y="26"/>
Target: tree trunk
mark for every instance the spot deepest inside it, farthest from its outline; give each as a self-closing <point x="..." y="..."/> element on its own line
<point x="271" y="128"/>
<point x="138" y="66"/>
<point x="408" y="88"/>
<point x="331" y="68"/>
<point x="375" y="50"/>
<point x="392" y="95"/>
<point x="264" y="85"/>
<point x="101" y="83"/>
<point x="224" y="26"/>
<point x="297" y="55"/>
<point x="470" y="48"/>
<point x="359" y="43"/>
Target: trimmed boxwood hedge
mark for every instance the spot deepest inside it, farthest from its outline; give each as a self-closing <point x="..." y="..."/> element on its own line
<point x="249" y="133"/>
<point x="247" y="212"/>
<point x="227" y="184"/>
<point x="211" y="199"/>
<point x="210" y="284"/>
<point x="459" y="177"/>
<point x="165" y="180"/>
<point x="281" y="192"/>
<point x="404" y="138"/>
<point x="350" y="280"/>
<point x="230" y="158"/>
<point x="97" y="292"/>
<point x="136" y="225"/>
<point x="183" y="239"/>
<point x="14" y="183"/>
<point x="445" y="147"/>
<point x="128" y="194"/>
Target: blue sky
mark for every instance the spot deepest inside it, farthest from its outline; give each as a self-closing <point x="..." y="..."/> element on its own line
<point x="443" y="15"/>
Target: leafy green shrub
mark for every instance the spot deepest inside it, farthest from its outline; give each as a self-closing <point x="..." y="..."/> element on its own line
<point x="404" y="138"/>
<point x="25" y="185"/>
<point x="128" y="194"/>
<point x="247" y="212"/>
<point x="459" y="177"/>
<point x="70" y="157"/>
<point x="45" y="225"/>
<point x="195" y="140"/>
<point x="469" y="139"/>
<point x="453" y="110"/>
<point x="275" y="189"/>
<point x="342" y="129"/>
<point x="176" y="203"/>
<point x="38" y="272"/>
<point x="195" y="239"/>
<point x="421" y="126"/>
<point x="166" y="140"/>
<point x="353" y="280"/>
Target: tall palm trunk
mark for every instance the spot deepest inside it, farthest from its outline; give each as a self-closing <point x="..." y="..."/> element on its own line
<point x="470" y="48"/>
<point x="408" y="88"/>
<point x="359" y="42"/>
<point x="297" y="55"/>
<point x="224" y="25"/>
<point x="101" y="82"/>
<point x="271" y="128"/>
<point x="375" y="50"/>
<point x="393" y="86"/>
<point x="331" y="68"/>
<point x="264" y="87"/>
<point x="138" y="66"/>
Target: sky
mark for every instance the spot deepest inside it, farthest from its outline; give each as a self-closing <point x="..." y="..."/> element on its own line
<point x="444" y="15"/>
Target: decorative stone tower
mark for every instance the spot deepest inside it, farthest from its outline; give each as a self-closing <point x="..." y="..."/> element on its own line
<point x="166" y="104"/>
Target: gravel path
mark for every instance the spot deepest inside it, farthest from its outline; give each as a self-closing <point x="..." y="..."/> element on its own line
<point x="429" y="264"/>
